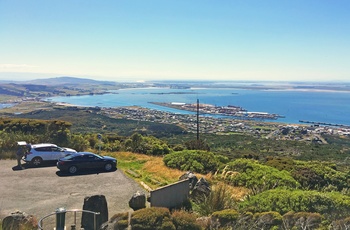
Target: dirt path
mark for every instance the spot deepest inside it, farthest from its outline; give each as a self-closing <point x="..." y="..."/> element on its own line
<point x="40" y="191"/>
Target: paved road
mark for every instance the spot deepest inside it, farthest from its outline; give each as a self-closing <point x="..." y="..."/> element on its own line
<point x="40" y="191"/>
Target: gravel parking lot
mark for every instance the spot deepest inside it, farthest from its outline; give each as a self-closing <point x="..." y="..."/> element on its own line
<point x="40" y="191"/>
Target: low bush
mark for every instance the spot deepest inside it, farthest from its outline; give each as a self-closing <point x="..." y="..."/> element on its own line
<point x="303" y="220"/>
<point x="341" y="224"/>
<point x="146" y="144"/>
<point x="225" y="217"/>
<point x="194" y="160"/>
<point x="320" y="175"/>
<point x="120" y="220"/>
<point x="156" y="218"/>
<point x="256" y="176"/>
<point x="268" y="220"/>
<point x="185" y="221"/>
<point x="315" y="175"/>
<point x="151" y="219"/>
<point x="331" y="204"/>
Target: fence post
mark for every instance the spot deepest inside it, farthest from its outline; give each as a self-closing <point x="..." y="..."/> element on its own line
<point x="60" y="218"/>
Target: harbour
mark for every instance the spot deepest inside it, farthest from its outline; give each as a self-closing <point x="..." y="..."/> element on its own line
<point x="290" y="106"/>
<point x="229" y="110"/>
<point x="324" y="124"/>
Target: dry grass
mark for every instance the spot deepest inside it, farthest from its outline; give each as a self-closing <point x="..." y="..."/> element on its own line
<point x="238" y="193"/>
<point x="131" y="156"/>
<point x="153" y="167"/>
<point x="156" y="167"/>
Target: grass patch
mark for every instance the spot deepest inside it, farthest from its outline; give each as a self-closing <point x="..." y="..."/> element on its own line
<point x="151" y="168"/>
<point x="152" y="171"/>
<point x="130" y="161"/>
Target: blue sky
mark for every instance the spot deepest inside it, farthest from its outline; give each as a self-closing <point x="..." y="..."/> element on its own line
<point x="176" y="39"/>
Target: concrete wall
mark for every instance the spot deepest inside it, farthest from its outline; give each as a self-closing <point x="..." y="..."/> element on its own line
<point x="171" y="196"/>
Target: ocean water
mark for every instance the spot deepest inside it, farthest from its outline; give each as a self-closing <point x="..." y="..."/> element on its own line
<point x="5" y="105"/>
<point x="329" y="107"/>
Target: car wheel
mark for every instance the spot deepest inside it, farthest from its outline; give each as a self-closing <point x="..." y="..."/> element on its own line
<point x="108" y="167"/>
<point x="36" y="161"/>
<point x="72" y="169"/>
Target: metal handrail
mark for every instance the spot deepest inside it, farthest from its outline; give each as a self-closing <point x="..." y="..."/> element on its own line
<point x="75" y="216"/>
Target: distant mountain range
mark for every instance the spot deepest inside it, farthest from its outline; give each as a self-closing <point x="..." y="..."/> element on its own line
<point x="69" y="81"/>
<point x="63" y="81"/>
<point x="58" y="86"/>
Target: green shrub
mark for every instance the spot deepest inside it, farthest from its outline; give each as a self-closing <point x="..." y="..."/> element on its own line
<point x="227" y="216"/>
<point x="267" y="219"/>
<point x="331" y="204"/>
<point x="121" y="220"/>
<point x="33" y="131"/>
<point x="156" y="218"/>
<point x="146" y="144"/>
<point x="281" y="163"/>
<point x="122" y="224"/>
<point x="194" y="160"/>
<point x="340" y="224"/>
<point x="320" y="175"/>
<point x="302" y="220"/>
<point x="185" y="221"/>
<point x="150" y="219"/>
<point x="314" y="175"/>
<point x="79" y="142"/>
<point x="167" y="225"/>
<point x="257" y="177"/>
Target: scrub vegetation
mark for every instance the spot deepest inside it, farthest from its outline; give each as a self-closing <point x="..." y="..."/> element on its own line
<point x="260" y="183"/>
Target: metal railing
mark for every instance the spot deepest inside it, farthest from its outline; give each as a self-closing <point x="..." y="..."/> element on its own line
<point x="60" y="218"/>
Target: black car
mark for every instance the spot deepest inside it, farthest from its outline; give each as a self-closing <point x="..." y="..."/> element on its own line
<point x="85" y="161"/>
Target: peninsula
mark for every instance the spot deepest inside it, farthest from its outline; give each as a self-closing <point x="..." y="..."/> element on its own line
<point x="229" y="110"/>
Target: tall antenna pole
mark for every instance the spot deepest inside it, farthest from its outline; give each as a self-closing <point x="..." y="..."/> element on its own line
<point x="197" y="119"/>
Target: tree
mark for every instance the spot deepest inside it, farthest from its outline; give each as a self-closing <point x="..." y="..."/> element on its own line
<point x="79" y="142"/>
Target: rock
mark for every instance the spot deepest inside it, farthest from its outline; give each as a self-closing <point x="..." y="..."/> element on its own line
<point x="191" y="177"/>
<point x="95" y="203"/>
<point x="137" y="201"/>
<point x="18" y="221"/>
<point x="201" y="189"/>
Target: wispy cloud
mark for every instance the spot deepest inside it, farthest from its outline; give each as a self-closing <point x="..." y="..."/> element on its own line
<point x="16" y="66"/>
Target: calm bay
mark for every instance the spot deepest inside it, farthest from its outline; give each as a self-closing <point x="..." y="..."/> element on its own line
<point x="317" y="106"/>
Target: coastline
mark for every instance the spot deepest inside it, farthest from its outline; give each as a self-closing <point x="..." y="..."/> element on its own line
<point x="293" y="105"/>
<point x="209" y="124"/>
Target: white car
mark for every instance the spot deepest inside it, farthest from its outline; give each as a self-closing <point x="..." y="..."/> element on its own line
<point x="39" y="153"/>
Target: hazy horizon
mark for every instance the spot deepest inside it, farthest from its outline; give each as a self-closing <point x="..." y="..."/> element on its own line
<point x="137" y="40"/>
<point x="34" y="77"/>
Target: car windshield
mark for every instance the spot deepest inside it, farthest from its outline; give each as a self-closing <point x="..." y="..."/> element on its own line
<point x="97" y="156"/>
<point x="69" y="157"/>
<point x="59" y="149"/>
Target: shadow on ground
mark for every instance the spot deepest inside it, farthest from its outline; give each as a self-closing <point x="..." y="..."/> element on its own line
<point x="30" y="166"/>
<point x="83" y="172"/>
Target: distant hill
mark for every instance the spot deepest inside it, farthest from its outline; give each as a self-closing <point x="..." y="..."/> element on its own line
<point x="59" y="86"/>
<point x="69" y="81"/>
